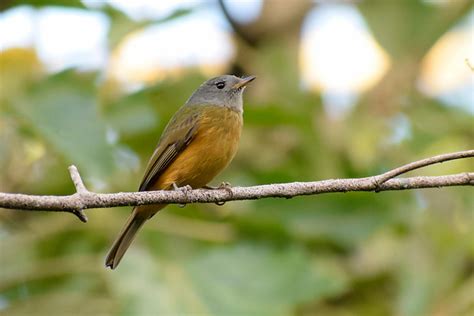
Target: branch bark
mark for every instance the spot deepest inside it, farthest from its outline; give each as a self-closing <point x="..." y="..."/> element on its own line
<point x="84" y="199"/>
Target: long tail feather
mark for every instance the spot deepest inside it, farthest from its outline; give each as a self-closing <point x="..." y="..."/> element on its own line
<point x="138" y="217"/>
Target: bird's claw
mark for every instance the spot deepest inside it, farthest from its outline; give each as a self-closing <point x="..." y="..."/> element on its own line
<point x="226" y="186"/>
<point x="223" y="186"/>
<point x="185" y="189"/>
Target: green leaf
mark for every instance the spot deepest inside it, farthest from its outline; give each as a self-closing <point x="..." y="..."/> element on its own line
<point x="344" y="221"/>
<point x="63" y="110"/>
<point x="121" y="24"/>
<point x="256" y="280"/>
<point x="235" y="280"/>
<point x="41" y="3"/>
<point x="133" y="114"/>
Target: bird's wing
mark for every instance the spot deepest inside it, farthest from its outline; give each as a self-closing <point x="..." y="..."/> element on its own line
<point x="175" y="138"/>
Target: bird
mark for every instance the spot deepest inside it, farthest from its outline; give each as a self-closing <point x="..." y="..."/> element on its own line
<point x="199" y="141"/>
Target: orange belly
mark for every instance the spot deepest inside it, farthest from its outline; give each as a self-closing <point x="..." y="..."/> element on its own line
<point x="211" y="150"/>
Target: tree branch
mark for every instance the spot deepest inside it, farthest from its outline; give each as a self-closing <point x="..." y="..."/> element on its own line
<point x="77" y="180"/>
<point x="84" y="199"/>
<point x="81" y="192"/>
<point x="422" y="163"/>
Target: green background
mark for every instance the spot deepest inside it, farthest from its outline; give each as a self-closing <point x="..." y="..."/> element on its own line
<point x="392" y="253"/>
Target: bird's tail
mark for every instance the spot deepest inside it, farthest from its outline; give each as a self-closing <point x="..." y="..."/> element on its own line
<point x="140" y="215"/>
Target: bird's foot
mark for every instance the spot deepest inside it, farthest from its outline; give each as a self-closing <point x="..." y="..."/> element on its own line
<point x="223" y="186"/>
<point x="185" y="189"/>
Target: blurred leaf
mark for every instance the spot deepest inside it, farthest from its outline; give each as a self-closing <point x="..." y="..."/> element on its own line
<point x="65" y="303"/>
<point x="417" y="33"/>
<point x="6" y="4"/>
<point x="394" y="36"/>
<point x="434" y="262"/>
<point x="131" y="115"/>
<point x="254" y="280"/>
<point x="18" y="68"/>
<point x="123" y="25"/>
<point x="239" y="280"/>
<point x="343" y="221"/>
<point x="63" y="109"/>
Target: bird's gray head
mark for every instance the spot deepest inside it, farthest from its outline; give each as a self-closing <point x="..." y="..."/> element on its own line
<point x="224" y="91"/>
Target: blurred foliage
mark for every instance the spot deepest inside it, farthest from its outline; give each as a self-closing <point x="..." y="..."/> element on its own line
<point x="402" y="253"/>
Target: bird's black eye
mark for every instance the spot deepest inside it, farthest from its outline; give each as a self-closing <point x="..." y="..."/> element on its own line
<point x="220" y="85"/>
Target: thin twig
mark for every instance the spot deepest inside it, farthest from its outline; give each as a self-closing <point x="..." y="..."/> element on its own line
<point x="380" y="179"/>
<point x="77" y="180"/>
<point x="85" y="199"/>
<point x="81" y="191"/>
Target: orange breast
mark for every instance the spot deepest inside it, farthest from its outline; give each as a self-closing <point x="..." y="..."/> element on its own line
<point x="211" y="150"/>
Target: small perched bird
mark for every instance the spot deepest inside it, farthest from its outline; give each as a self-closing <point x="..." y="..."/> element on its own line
<point x="199" y="141"/>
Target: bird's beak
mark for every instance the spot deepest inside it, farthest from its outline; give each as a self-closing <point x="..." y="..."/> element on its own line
<point x="243" y="82"/>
